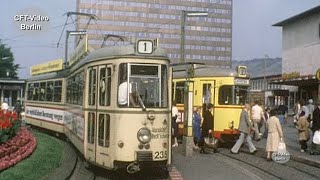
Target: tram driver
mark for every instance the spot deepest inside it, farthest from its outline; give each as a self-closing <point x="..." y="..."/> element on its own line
<point x="123" y="95"/>
<point x="123" y="92"/>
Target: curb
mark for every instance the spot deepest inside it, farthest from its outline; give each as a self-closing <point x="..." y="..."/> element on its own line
<point x="68" y="163"/>
<point x="297" y="158"/>
<point x="174" y="174"/>
<point x="305" y="161"/>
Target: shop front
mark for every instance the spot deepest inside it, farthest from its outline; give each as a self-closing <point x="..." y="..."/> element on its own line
<point x="11" y="91"/>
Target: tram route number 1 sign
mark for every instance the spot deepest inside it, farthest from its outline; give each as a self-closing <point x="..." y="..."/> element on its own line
<point x="145" y="46"/>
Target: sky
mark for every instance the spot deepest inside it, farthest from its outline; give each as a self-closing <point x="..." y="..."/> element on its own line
<point x="253" y="33"/>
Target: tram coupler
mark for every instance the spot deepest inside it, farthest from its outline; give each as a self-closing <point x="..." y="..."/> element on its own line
<point x="133" y="168"/>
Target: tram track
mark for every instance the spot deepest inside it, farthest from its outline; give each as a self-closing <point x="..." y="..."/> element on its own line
<point x="266" y="167"/>
<point x="247" y="163"/>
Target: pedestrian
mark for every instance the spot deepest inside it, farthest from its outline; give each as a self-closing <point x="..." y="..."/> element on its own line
<point x="207" y="126"/>
<point x="296" y="110"/>
<point x="4" y="106"/>
<point x="245" y="129"/>
<point x="174" y="114"/>
<point x="275" y="134"/>
<point x="310" y="107"/>
<point x="266" y="117"/>
<point x="196" y="127"/>
<point x="281" y="116"/>
<point x="315" y="126"/>
<point x="303" y="129"/>
<point x="303" y="108"/>
<point x="256" y="117"/>
<point x="17" y="109"/>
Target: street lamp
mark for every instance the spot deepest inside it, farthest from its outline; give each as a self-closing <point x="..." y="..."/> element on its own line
<point x="183" y="23"/>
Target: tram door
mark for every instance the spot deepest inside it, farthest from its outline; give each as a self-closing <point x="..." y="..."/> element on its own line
<point x="98" y="128"/>
<point x="91" y="114"/>
<point x="207" y="93"/>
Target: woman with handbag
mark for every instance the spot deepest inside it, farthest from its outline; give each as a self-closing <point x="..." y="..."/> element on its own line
<point x="207" y="127"/>
<point x="275" y="134"/>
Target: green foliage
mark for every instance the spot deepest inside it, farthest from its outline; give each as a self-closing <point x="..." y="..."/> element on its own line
<point x="7" y="64"/>
<point x="45" y="159"/>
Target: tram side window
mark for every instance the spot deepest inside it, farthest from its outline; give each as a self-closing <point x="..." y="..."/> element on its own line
<point x="69" y="90"/>
<point x="42" y="91"/>
<point x="30" y="91"/>
<point x="92" y="86"/>
<point x="75" y="89"/>
<point x="180" y="92"/>
<point x="91" y="127"/>
<point x="36" y="92"/>
<point x="80" y="87"/>
<point x="49" y="91"/>
<point x="225" y="95"/>
<point x="104" y="130"/>
<point x="57" y="91"/>
<point x="105" y="86"/>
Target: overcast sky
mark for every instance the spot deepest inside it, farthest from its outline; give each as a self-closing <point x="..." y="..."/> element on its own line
<point x="253" y="33"/>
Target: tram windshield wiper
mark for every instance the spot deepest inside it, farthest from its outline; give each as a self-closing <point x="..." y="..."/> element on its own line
<point x="141" y="103"/>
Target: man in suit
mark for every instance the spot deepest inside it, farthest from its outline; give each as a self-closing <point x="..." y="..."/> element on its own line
<point x="244" y="128"/>
<point x="315" y="127"/>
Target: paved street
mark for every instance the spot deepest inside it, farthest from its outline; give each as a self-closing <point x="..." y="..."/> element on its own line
<point x="224" y="165"/>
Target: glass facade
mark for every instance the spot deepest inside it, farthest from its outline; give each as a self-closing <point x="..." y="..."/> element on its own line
<point x="207" y="39"/>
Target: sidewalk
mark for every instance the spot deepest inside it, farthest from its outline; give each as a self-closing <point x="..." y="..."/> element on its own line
<point x="290" y="134"/>
<point x="199" y="166"/>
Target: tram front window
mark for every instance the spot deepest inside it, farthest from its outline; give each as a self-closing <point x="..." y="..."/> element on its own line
<point x="146" y="87"/>
<point x="233" y="95"/>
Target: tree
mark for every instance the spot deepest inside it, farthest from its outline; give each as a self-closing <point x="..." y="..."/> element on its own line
<point x="8" y="69"/>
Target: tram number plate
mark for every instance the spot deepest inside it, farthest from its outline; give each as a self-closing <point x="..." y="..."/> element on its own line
<point x="160" y="154"/>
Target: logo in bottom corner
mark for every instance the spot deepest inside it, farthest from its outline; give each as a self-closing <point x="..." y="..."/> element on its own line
<point x="280" y="157"/>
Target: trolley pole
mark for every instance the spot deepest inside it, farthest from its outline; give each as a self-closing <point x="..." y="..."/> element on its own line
<point x="188" y="117"/>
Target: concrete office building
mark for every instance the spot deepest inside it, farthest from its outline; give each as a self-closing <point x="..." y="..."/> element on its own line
<point x="207" y="39"/>
<point x="300" y="53"/>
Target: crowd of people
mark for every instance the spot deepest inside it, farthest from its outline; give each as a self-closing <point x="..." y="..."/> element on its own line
<point x="252" y="119"/>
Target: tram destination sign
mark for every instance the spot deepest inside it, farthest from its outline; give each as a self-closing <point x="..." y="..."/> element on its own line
<point x="241" y="81"/>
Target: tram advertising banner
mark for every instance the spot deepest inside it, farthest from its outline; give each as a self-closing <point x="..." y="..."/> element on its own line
<point x="53" y="115"/>
<point x="74" y="122"/>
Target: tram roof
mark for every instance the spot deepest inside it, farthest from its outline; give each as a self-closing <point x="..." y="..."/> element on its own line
<point x="208" y="72"/>
<point x="118" y="52"/>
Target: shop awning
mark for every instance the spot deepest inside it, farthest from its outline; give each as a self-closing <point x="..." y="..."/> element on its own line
<point x="280" y="92"/>
<point x="298" y="81"/>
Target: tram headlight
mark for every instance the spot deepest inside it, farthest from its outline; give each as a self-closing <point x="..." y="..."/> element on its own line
<point x="144" y="135"/>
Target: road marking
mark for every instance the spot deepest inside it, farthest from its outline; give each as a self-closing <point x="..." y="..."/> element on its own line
<point x="174" y="174"/>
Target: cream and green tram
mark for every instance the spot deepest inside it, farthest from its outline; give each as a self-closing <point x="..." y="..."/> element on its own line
<point x="117" y="107"/>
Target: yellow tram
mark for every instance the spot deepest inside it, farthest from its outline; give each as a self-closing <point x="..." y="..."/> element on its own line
<point x="226" y="89"/>
<point x="113" y="105"/>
